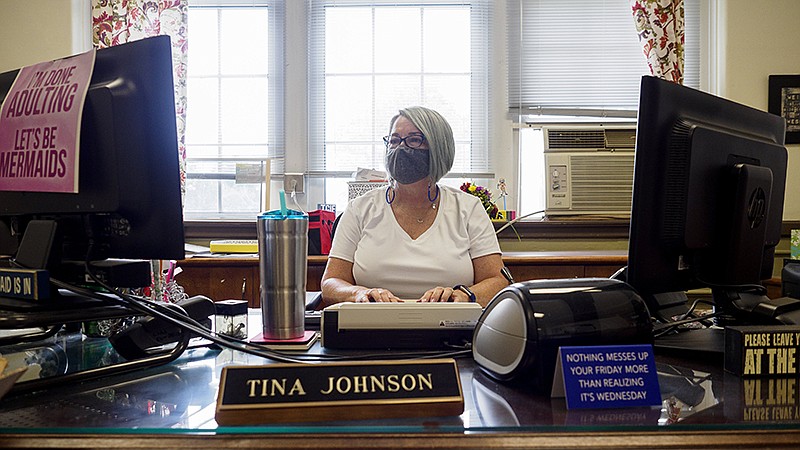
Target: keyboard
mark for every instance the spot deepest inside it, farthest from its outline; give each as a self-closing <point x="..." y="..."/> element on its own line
<point x="409" y="325"/>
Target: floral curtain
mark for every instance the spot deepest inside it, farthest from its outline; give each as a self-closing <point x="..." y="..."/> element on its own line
<point x="660" y="25"/>
<point x="120" y="21"/>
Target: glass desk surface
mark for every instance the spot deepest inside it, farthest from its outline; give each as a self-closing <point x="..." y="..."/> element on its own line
<point x="179" y="399"/>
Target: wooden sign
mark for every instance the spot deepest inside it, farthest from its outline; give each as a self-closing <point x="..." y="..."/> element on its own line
<point x="27" y="284"/>
<point x="762" y="351"/>
<point x="338" y="391"/>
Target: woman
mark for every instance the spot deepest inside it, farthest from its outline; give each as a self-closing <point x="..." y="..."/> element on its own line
<point x="414" y="240"/>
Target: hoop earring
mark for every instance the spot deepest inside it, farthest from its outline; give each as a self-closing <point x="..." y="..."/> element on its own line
<point x="435" y="196"/>
<point x="389" y="200"/>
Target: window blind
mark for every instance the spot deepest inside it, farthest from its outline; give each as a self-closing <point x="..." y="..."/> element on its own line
<point x="236" y="103"/>
<point x="583" y="57"/>
<point x="368" y="59"/>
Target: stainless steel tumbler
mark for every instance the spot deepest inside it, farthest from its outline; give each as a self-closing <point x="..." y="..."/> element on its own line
<point x="282" y="257"/>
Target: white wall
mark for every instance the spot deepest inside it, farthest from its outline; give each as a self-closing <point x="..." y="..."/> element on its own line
<point x="758" y="39"/>
<point x="32" y="31"/>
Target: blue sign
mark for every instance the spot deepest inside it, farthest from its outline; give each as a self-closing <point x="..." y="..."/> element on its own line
<point x="611" y="376"/>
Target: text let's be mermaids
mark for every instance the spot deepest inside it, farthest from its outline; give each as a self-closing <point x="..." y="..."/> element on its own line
<point x="35" y="152"/>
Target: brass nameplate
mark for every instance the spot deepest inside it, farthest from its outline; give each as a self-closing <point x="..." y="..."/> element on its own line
<point x="338" y="391"/>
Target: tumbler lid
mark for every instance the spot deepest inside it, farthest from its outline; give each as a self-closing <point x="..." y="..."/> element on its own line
<point x="277" y="214"/>
<point x="284" y="212"/>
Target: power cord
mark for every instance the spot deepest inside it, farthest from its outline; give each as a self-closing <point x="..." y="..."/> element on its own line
<point x="148" y="307"/>
<point x="512" y="222"/>
<point x="668" y="327"/>
<point x="173" y="314"/>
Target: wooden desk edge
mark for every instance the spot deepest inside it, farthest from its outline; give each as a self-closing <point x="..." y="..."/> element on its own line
<point x="662" y="438"/>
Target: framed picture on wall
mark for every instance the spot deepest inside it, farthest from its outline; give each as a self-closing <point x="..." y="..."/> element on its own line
<point x="784" y="101"/>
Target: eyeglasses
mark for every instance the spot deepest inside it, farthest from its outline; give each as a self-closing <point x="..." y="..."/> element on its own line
<point x="412" y="140"/>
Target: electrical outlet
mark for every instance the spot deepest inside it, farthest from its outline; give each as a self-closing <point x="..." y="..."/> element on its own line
<point x="293" y="182"/>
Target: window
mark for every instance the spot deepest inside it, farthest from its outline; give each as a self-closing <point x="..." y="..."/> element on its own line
<point x="577" y="61"/>
<point x="569" y="57"/>
<point x="322" y="107"/>
<point x="235" y="106"/>
<point x="369" y="59"/>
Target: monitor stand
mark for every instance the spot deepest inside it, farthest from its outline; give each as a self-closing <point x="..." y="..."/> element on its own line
<point x="40" y="249"/>
<point x="38" y="241"/>
<point x="745" y="308"/>
<point x="739" y="308"/>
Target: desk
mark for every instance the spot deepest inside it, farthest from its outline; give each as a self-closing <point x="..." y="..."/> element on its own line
<point x="236" y="277"/>
<point x="172" y="407"/>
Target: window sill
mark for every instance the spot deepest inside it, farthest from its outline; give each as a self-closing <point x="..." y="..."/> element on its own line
<point x="552" y="228"/>
<point x="539" y="229"/>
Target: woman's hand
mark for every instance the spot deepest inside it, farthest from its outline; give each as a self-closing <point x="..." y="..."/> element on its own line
<point x="377" y="295"/>
<point x="439" y="294"/>
<point x="338" y="286"/>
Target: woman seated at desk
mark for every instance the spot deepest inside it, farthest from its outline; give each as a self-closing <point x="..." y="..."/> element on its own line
<point x="415" y="239"/>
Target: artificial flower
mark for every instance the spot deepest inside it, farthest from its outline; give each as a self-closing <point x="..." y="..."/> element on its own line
<point x="485" y="197"/>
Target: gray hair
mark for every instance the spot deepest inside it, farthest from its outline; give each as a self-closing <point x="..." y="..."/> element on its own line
<point x="438" y="134"/>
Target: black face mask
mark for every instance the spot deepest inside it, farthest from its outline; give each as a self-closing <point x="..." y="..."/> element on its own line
<point x="407" y="165"/>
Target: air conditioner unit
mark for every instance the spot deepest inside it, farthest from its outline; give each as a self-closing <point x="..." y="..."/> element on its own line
<point x="589" y="169"/>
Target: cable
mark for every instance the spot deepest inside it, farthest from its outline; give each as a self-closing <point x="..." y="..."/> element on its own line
<point x="508" y="224"/>
<point x="694" y="306"/>
<point x="686" y="318"/>
<point x="31" y="337"/>
<point x="160" y="310"/>
<point x="294" y="198"/>
<point x="177" y="317"/>
<point x="154" y="309"/>
<point x="416" y="354"/>
<point x="169" y="314"/>
<point x="665" y="328"/>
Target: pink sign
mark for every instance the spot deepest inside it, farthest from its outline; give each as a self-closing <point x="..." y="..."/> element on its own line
<point x="40" y="125"/>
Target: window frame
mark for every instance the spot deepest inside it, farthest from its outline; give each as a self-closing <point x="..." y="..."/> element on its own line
<point x="480" y="160"/>
<point x="501" y="130"/>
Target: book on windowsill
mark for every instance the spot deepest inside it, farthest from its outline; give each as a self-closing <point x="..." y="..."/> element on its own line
<point x="302" y="343"/>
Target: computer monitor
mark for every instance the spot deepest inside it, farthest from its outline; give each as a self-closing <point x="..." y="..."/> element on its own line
<point x="707" y="209"/>
<point x="128" y="203"/>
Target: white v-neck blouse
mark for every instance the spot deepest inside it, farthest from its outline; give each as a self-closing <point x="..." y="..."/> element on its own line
<point x="385" y="256"/>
